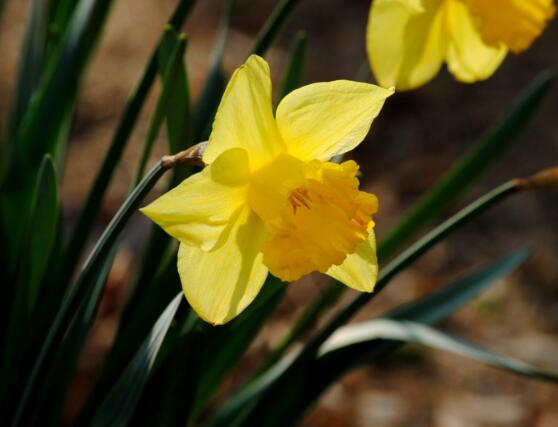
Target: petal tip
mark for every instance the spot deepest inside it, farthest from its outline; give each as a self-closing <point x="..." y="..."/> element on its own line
<point x="146" y="210"/>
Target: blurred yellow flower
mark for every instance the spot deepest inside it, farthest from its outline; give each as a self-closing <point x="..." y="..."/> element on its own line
<point x="269" y="200"/>
<point x="409" y="40"/>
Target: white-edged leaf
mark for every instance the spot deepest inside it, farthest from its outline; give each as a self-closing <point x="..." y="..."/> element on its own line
<point x="362" y="334"/>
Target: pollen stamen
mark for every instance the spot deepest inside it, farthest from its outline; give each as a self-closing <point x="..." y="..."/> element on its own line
<point x="299" y="197"/>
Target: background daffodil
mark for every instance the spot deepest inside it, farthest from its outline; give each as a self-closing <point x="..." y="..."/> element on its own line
<point x="269" y="200"/>
<point x="409" y="40"/>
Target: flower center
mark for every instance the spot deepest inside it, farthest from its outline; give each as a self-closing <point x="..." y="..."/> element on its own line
<point x="299" y="197"/>
<point x="323" y="218"/>
<point x="516" y="23"/>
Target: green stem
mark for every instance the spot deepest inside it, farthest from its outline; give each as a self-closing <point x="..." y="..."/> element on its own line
<point x="162" y="105"/>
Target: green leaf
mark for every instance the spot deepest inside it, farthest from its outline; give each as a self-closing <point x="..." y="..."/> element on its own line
<point x="121" y="136"/>
<point x="325" y="300"/>
<point x="118" y="407"/>
<point x="158" y="280"/>
<point x="215" y="83"/>
<point x="41" y="125"/>
<point x="358" y="338"/>
<point x="176" y="395"/>
<point x="2" y="4"/>
<point x="438" y="305"/>
<point x="169" y="63"/>
<point x="273" y="25"/>
<point x="172" y="73"/>
<point x="178" y="105"/>
<point x="235" y="337"/>
<point x="33" y="261"/>
<point x="53" y="391"/>
<point x="31" y="67"/>
<point x="85" y="282"/>
<point x="269" y="382"/>
<point x="135" y="330"/>
<point x="179" y="137"/>
<point x="46" y="117"/>
<point x="292" y="76"/>
<point x="42" y="230"/>
<point x="159" y="245"/>
<point x="302" y="376"/>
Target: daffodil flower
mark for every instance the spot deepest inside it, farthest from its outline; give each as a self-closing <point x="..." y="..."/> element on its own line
<point x="409" y="40"/>
<point x="269" y="200"/>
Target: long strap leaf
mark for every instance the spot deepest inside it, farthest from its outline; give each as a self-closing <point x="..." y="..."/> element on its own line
<point x="82" y="287"/>
<point x="37" y="248"/>
<point x="118" y="407"/>
<point x="358" y="338"/>
<point x="273" y="25"/>
<point x="121" y="136"/>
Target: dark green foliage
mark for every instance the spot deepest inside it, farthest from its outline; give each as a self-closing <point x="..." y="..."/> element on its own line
<point x="166" y="365"/>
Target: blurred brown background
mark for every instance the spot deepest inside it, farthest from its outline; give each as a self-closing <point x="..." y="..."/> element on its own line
<point x="414" y="141"/>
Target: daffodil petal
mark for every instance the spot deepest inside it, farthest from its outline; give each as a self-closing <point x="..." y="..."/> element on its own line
<point x="322" y="120"/>
<point x="221" y="283"/>
<point x="197" y="211"/>
<point x="360" y="269"/>
<point x="516" y="23"/>
<point x="404" y="41"/>
<point x="244" y="117"/>
<point x="469" y="58"/>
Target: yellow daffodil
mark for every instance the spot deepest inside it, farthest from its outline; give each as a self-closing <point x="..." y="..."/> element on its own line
<point x="409" y="40"/>
<point x="269" y="200"/>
